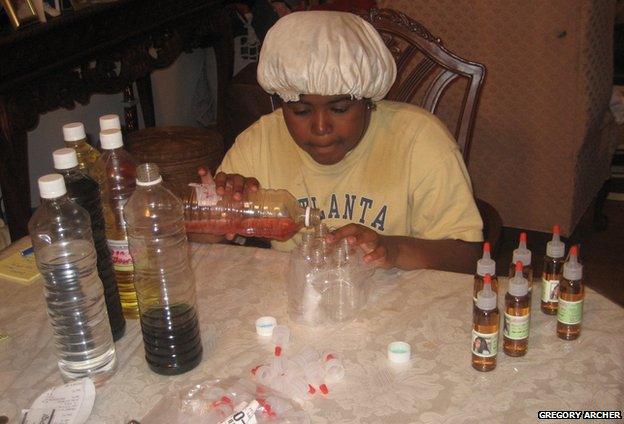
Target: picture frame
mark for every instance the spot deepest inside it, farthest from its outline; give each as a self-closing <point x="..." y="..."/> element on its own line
<point x="20" y="12"/>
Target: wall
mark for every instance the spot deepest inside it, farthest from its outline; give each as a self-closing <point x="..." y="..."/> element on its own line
<point x="538" y="154"/>
<point x="172" y="88"/>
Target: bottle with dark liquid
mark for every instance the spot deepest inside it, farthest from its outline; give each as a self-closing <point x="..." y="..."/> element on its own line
<point x="571" y="296"/>
<point x="85" y="191"/>
<point x="273" y="214"/>
<point x="485" y="265"/>
<point x="523" y="255"/>
<point x="517" y="315"/>
<point x="485" y="328"/>
<point x="163" y="277"/>
<point x="551" y="276"/>
<point x="115" y="172"/>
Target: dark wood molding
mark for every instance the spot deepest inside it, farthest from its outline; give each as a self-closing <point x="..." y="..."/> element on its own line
<point x="100" y="49"/>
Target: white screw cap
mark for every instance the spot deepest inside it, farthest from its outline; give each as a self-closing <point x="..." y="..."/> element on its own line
<point x="265" y="326"/>
<point x="65" y="158"/>
<point x="109" y="122"/>
<point x="74" y="131"/>
<point x="51" y="186"/>
<point x="111" y="139"/>
<point x="399" y="352"/>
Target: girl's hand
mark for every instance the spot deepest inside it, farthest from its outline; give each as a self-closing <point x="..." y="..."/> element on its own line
<point x="378" y="249"/>
<point x="234" y="184"/>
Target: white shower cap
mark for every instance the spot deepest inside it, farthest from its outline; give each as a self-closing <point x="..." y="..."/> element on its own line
<point x="325" y="53"/>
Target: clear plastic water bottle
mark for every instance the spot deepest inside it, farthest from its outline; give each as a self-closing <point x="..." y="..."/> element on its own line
<point x="60" y="231"/>
<point x="115" y="172"/>
<point x="83" y="190"/>
<point x="268" y="213"/>
<point x="163" y="277"/>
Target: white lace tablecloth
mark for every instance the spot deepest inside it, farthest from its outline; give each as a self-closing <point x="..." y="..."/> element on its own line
<point x="430" y="310"/>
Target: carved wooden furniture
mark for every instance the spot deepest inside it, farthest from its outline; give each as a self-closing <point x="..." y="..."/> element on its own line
<point x="100" y="49"/>
<point x="428" y="75"/>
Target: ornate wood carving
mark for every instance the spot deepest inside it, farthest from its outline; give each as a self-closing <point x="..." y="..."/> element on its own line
<point x="100" y="49"/>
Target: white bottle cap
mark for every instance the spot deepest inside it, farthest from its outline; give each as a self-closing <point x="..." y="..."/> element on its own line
<point x="486" y="298"/>
<point x="522" y="254"/>
<point x="555" y="248"/>
<point x="399" y="352"/>
<point x="74" y="131"/>
<point x="265" y="326"/>
<point x="109" y="122"/>
<point x="111" y="139"/>
<point x="518" y="285"/>
<point x="486" y="265"/>
<point x="65" y="158"/>
<point x="51" y="186"/>
<point x="573" y="270"/>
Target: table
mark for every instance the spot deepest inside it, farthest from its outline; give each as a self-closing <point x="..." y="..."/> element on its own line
<point x="98" y="49"/>
<point x="429" y="309"/>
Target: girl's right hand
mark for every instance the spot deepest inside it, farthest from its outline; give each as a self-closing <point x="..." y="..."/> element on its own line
<point x="234" y="184"/>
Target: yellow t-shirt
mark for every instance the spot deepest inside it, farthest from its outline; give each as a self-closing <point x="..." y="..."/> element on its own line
<point x="406" y="176"/>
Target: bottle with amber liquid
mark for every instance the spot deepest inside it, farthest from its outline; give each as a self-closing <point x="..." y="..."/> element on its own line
<point x="571" y="296"/>
<point x="523" y="255"/>
<point x="551" y="276"/>
<point x="75" y="138"/>
<point x="485" y="328"/>
<point x="485" y="265"/>
<point x="517" y="314"/>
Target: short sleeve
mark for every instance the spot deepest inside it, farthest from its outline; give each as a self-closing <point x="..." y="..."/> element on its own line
<point x="239" y="158"/>
<point x="443" y="205"/>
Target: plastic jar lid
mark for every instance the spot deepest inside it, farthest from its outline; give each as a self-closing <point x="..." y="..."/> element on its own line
<point x="399" y="352"/>
<point x="265" y="326"/>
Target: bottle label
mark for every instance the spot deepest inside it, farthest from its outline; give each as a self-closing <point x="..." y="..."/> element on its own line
<point x="516" y="327"/>
<point x="484" y="345"/>
<point x="120" y="254"/>
<point x="550" y="290"/>
<point x="570" y="313"/>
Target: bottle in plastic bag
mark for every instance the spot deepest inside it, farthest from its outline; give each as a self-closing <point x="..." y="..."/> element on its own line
<point x="115" y="172"/>
<point x="83" y="190"/>
<point x="76" y="138"/>
<point x="268" y="213"/>
<point x="60" y="231"/>
<point x="163" y="277"/>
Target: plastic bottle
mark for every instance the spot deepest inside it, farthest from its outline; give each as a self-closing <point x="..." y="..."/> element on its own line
<point x="273" y="214"/>
<point x="115" y="172"/>
<point x="485" y="265"/>
<point x="60" y="231"/>
<point x="76" y="138"/>
<point x="163" y="277"/>
<point x="485" y="328"/>
<point x="109" y="122"/>
<point x="551" y="276"/>
<point x="571" y="296"/>
<point x="523" y="255"/>
<point x="517" y="314"/>
<point x="85" y="191"/>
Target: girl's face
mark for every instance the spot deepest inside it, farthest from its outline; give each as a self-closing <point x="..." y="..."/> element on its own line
<point x="327" y="127"/>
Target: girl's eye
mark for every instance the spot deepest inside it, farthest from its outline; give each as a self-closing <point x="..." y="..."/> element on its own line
<point x="300" y="112"/>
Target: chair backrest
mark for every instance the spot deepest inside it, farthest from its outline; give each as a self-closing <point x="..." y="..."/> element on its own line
<point x="426" y="70"/>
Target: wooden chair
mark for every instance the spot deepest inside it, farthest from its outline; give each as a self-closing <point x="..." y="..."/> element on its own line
<point x="432" y="77"/>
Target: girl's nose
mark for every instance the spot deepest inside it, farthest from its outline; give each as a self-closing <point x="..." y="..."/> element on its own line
<point x="321" y="124"/>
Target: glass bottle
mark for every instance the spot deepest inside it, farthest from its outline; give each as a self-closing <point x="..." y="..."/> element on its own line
<point x="485" y="328"/>
<point x="517" y="314"/>
<point x="163" y="276"/>
<point x="273" y="214"/>
<point x="115" y="172"/>
<point x="523" y="255"/>
<point x="571" y="296"/>
<point x="60" y="231"/>
<point x="485" y="265"/>
<point x="83" y="190"/>
<point x="551" y="276"/>
<point x="76" y="138"/>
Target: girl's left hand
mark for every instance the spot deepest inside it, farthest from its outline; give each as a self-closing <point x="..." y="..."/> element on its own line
<point x="377" y="248"/>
